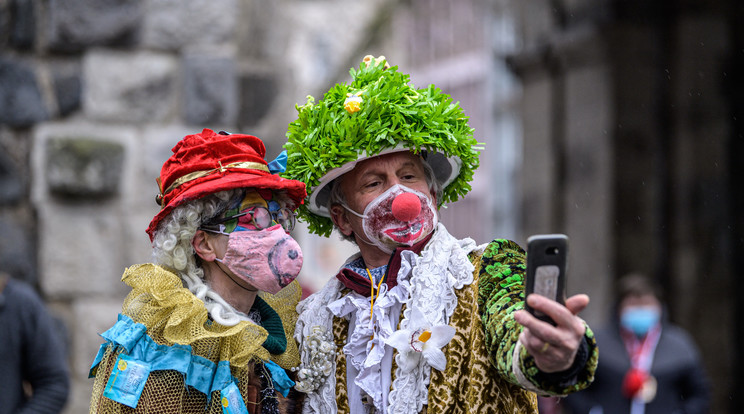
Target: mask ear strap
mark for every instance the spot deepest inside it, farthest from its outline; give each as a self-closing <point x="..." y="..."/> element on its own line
<point x="219" y="264"/>
<point x="352" y="211"/>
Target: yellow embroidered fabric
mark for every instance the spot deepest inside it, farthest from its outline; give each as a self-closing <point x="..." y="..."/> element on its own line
<point x="173" y="315"/>
<point x="340" y="334"/>
<point x="470" y="383"/>
<point x="479" y="376"/>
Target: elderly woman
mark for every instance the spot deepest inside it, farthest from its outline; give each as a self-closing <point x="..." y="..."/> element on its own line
<point x="207" y="327"/>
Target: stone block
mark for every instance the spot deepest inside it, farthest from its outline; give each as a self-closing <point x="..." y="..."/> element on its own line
<point x="81" y="252"/>
<point x="210" y="90"/>
<point x="23" y="24"/>
<point x="5" y="24"/>
<point x="84" y="247"/>
<point x="129" y="87"/>
<point x="157" y="142"/>
<point x="88" y="318"/>
<point x="81" y="390"/>
<point x="17" y="251"/>
<point x="154" y="150"/>
<point x="77" y="24"/>
<point x="91" y="317"/>
<point x="12" y="181"/>
<point x="261" y="33"/>
<point x="68" y="91"/>
<point x="174" y="24"/>
<point x="21" y="103"/>
<point x="83" y="168"/>
<point x="316" y="52"/>
<point x="257" y="95"/>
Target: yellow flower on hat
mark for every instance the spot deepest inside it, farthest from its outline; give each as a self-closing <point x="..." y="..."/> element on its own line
<point x="353" y="103"/>
<point x="369" y="58"/>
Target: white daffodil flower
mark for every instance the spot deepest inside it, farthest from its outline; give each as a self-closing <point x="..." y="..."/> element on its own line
<point x="421" y="339"/>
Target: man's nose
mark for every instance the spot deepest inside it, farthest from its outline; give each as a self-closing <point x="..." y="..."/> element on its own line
<point x="391" y="181"/>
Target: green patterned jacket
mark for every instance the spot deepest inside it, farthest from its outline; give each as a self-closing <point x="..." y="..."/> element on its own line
<point x="480" y="374"/>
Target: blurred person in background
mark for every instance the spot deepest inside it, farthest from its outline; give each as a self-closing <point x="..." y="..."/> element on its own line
<point x="34" y="377"/>
<point x="648" y="365"/>
<point x="208" y="327"/>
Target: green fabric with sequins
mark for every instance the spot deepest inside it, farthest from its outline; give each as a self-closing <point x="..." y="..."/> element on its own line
<point x="500" y="294"/>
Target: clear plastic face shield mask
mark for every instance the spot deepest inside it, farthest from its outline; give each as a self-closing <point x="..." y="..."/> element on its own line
<point x="398" y="217"/>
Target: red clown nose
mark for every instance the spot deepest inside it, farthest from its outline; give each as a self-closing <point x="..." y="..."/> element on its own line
<point x="406" y="207"/>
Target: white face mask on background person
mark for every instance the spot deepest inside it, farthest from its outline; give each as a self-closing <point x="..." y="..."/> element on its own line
<point x="387" y="227"/>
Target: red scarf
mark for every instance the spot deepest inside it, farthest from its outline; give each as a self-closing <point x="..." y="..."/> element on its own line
<point x="362" y="285"/>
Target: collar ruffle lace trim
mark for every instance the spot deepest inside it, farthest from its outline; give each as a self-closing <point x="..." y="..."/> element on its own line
<point x="174" y="315"/>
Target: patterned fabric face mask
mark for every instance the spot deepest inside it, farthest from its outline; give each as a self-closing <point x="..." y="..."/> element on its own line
<point x="268" y="259"/>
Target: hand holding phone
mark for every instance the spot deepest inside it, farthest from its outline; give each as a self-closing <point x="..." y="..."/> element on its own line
<point x="546" y="269"/>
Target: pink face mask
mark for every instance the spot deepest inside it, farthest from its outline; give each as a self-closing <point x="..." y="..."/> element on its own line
<point x="268" y="259"/>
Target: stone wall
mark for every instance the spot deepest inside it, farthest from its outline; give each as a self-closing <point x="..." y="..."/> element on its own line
<point x="93" y="96"/>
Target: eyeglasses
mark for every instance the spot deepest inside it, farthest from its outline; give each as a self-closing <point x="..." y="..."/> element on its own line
<point x="260" y="217"/>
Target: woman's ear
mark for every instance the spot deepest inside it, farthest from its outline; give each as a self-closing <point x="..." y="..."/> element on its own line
<point x="204" y="246"/>
<point x="340" y="219"/>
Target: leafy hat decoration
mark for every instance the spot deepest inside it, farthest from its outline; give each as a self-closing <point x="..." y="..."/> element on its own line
<point x="377" y="113"/>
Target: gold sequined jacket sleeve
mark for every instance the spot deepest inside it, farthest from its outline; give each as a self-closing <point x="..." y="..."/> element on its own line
<point x="500" y="294"/>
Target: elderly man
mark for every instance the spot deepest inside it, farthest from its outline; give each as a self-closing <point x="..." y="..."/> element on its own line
<point x="207" y="327"/>
<point x="417" y="321"/>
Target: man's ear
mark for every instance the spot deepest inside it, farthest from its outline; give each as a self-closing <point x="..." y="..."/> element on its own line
<point x="203" y="246"/>
<point x="340" y="219"/>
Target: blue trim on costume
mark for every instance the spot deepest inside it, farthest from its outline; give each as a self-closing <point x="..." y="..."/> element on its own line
<point x="232" y="402"/>
<point x="143" y="355"/>
<point x="125" y="332"/>
<point x="279" y="378"/>
<point x="127" y="380"/>
<point x="222" y="377"/>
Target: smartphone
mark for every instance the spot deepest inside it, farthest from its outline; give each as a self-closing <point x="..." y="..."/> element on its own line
<point x="546" y="269"/>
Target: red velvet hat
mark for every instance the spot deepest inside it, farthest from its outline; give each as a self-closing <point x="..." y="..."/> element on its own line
<point x="209" y="162"/>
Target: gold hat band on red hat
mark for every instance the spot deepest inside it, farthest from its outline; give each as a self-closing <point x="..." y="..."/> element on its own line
<point x="248" y="165"/>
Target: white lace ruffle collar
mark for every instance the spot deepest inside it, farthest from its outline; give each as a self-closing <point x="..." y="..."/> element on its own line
<point x="442" y="268"/>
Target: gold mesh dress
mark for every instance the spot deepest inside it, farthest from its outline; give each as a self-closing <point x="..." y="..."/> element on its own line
<point x="165" y="355"/>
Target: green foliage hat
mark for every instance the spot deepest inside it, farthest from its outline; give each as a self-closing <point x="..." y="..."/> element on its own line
<point x="379" y="112"/>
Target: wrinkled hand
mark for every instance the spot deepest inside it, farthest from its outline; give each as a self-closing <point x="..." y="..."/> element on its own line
<point x="562" y="340"/>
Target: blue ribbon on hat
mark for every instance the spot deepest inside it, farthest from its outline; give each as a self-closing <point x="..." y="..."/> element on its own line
<point x="279" y="165"/>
